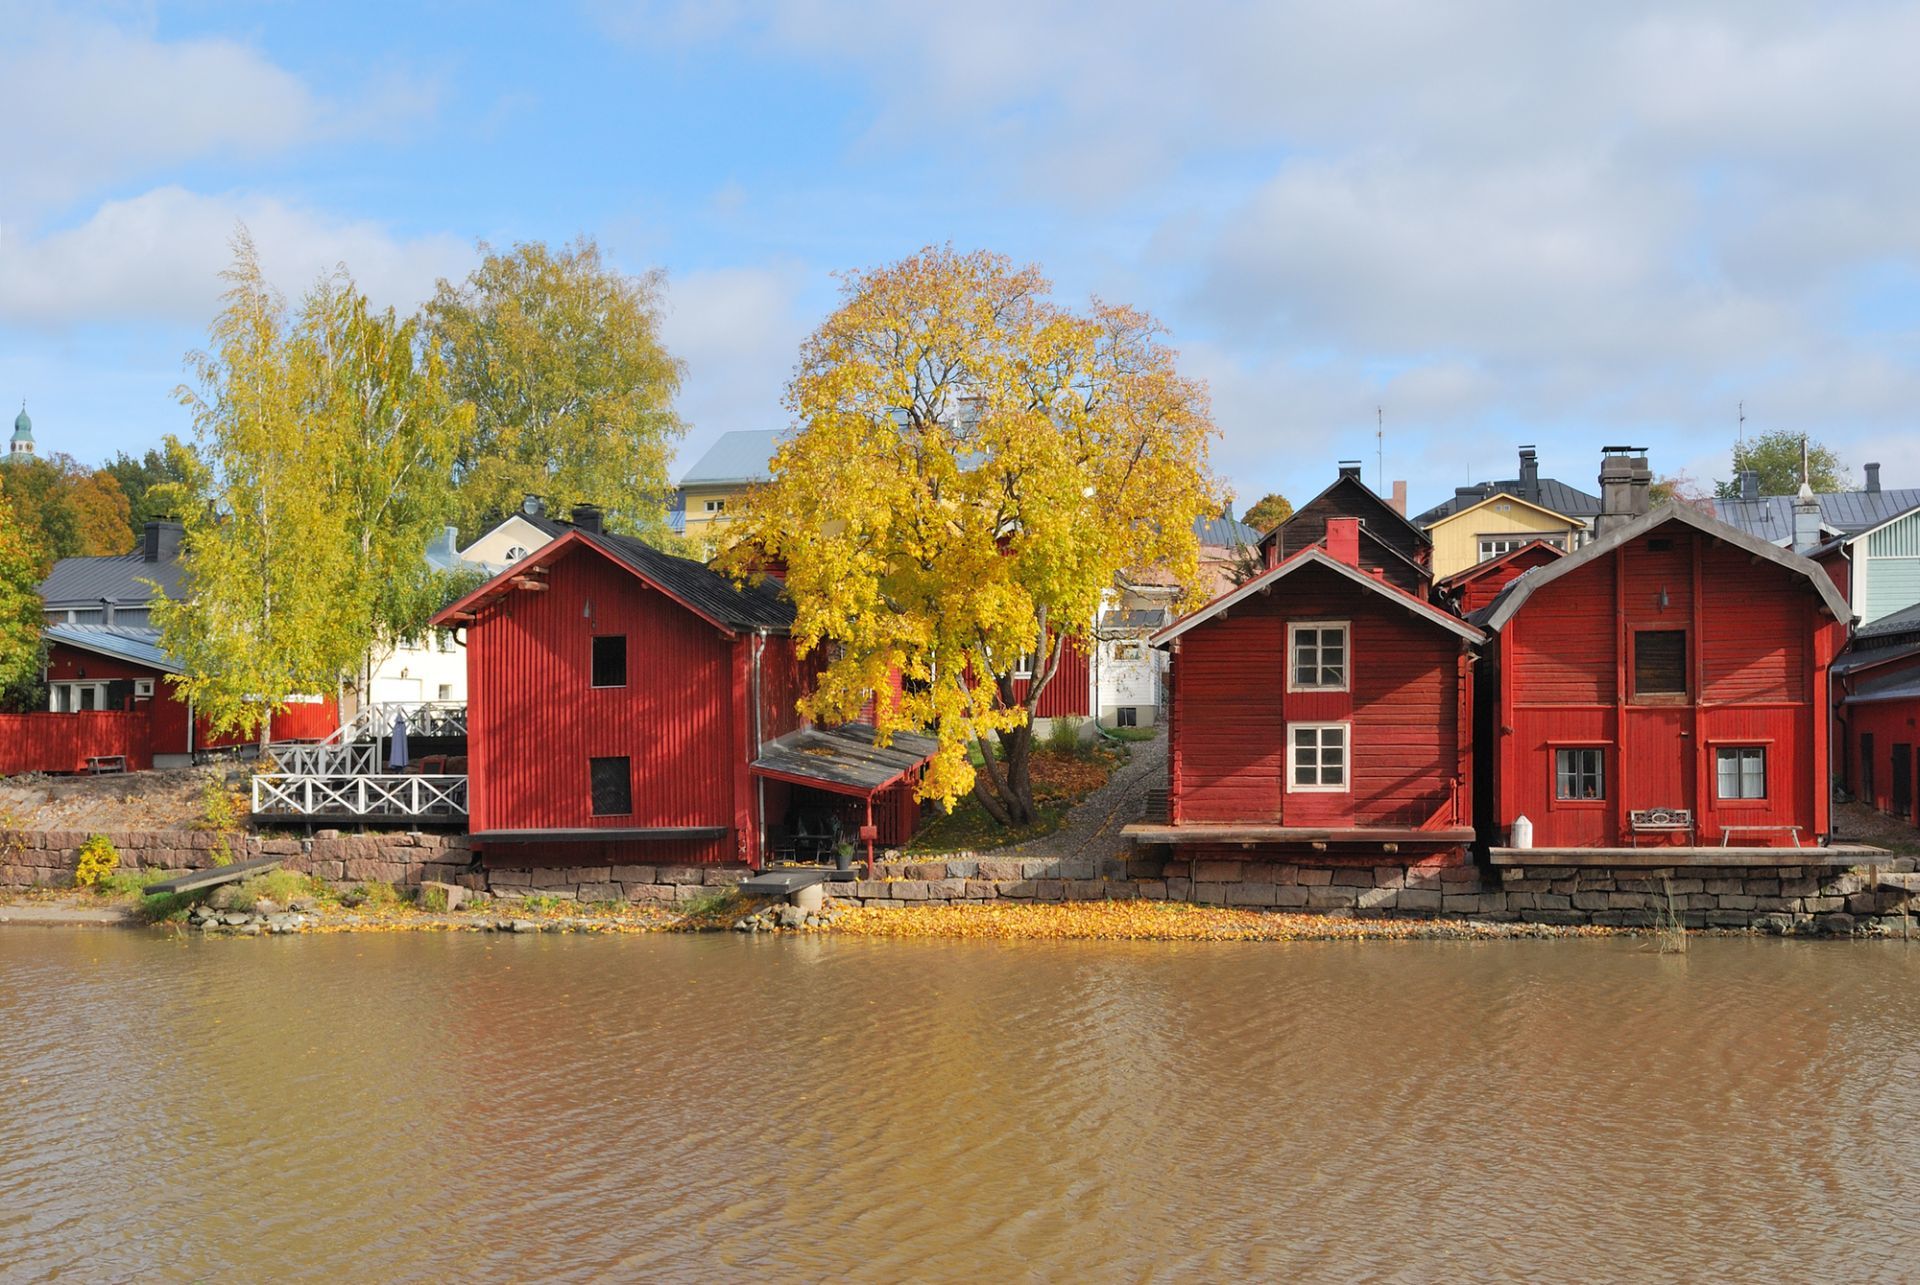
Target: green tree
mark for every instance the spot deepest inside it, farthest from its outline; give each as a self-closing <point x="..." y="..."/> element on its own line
<point x="1776" y="457"/>
<point x="21" y="561"/>
<point x="137" y="479"/>
<point x="266" y="546"/>
<point x="572" y="390"/>
<point x="1270" y="512"/>
<point x="973" y="465"/>
<point x="381" y="404"/>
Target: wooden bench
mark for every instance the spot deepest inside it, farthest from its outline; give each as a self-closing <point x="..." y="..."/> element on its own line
<point x="1726" y="832"/>
<point x="1660" y="821"/>
<point x="106" y="764"/>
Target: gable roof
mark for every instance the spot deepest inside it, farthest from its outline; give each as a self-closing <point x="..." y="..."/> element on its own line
<point x="1554" y="495"/>
<point x="739" y="457"/>
<point x="81" y="582"/>
<point x="1224" y="532"/>
<point x="1503" y="498"/>
<point x="694" y="585"/>
<point x="1501" y="609"/>
<point x="1846" y="513"/>
<point x="1493" y="564"/>
<point x="1365" y="490"/>
<point x="1316" y="556"/>
<point x="122" y="642"/>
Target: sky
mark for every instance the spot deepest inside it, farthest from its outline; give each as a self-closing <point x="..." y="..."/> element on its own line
<point x="1470" y="226"/>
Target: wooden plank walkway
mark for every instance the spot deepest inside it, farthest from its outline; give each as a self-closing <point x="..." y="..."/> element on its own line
<point x="212" y="877"/>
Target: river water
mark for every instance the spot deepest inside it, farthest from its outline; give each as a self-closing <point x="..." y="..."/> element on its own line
<point x="433" y="1107"/>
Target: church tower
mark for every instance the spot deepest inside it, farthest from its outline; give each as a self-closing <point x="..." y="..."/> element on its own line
<point x="21" y="444"/>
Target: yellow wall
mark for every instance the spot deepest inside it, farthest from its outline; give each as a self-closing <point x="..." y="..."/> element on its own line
<point x="699" y="521"/>
<point x="1456" y="539"/>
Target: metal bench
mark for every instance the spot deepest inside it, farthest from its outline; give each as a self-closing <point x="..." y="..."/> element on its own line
<point x="1660" y="821"/>
<point x="106" y="764"/>
<point x="1726" y="832"/>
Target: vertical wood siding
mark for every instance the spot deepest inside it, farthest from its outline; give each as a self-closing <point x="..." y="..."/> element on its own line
<point x="64" y="742"/>
<point x="1349" y="499"/>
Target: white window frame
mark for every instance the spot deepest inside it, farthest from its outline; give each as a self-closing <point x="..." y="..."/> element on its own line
<point x="1294" y="784"/>
<point x="1740" y="774"/>
<point x="143" y="687"/>
<point x="1504" y="543"/>
<point x="716" y="506"/>
<point x="1293" y="652"/>
<point x="1127" y="649"/>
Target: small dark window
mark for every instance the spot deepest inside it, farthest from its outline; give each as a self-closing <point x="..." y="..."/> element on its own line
<point x="1580" y="774"/>
<point x="610" y="660"/>
<point x="1126" y="716"/>
<point x="1659" y="545"/>
<point x="1660" y="662"/>
<point x="612" y="786"/>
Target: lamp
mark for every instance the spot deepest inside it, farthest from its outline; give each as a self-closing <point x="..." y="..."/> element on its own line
<point x="1663" y="597"/>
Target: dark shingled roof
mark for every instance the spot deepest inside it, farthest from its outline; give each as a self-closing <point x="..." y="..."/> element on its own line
<point x="1904" y="621"/>
<point x="759" y="606"/>
<point x="1568" y="501"/>
<point x="81" y="582"/>
<point x="845" y="759"/>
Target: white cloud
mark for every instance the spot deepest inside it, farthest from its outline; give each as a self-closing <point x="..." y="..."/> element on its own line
<point x="158" y="257"/>
<point x="738" y="330"/>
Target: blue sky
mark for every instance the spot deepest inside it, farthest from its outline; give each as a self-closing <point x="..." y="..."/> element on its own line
<point x="1498" y="222"/>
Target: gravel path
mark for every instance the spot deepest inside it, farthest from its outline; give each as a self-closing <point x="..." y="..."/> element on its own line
<point x="1092" y="828"/>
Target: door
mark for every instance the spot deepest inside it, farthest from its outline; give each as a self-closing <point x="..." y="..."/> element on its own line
<point x="1656" y="763"/>
<point x="1903" y="782"/>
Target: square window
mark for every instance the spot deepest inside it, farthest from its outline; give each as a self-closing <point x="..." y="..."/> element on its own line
<point x="1319" y="661"/>
<point x="1742" y="772"/>
<point x="610" y="660"/>
<point x="1128" y="650"/>
<point x="446" y="692"/>
<point x="1660" y="662"/>
<point x="1580" y="774"/>
<point x="1126" y="716"/>
<point x="612" y="786"/>
<point x="1319" y="757"/>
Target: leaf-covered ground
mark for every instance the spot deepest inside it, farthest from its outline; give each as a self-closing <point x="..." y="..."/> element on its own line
<point x="1162" y="921"/>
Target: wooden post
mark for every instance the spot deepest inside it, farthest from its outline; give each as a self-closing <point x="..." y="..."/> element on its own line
<point x="868" y="830"/>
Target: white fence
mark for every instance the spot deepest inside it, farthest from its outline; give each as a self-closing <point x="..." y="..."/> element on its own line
<point x="396" y="796"/>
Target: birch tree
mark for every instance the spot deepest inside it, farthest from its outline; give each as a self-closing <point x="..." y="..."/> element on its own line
<point x="970" y="467"/>
<point x="21" y="649"/>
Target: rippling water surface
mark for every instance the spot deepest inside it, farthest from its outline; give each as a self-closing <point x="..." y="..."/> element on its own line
<point x="423" y="1107"/>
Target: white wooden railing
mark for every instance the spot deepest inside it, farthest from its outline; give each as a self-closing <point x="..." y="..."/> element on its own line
<point x="353" y="748"/>
<point x="399" y="795"/>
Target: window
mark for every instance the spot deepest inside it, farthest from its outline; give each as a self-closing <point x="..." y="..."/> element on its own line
<point x="1023" y="665"/>
<point x="443" y="639"/>
<point x="516" y="553"/>
<point x="1743" y="772"/>
<point x="1129" y="650"/>
<point x="1126" y="716"/>
<point x="1580" y="774"/>
<point x="1319" y="757"/>
<point x="612" y="785"/>
<point x="143" y="687"/>
<point x="1660" y="662"/>
<point x="446" y="692"/>
<point x="1319" y="656"/>
<point x="610" y="660"/>
<point x="716" y="506"/>
<point x="1493" y="546"/>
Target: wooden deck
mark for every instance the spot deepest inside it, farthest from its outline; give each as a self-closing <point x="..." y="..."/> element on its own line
<point x="1839" y="855"/>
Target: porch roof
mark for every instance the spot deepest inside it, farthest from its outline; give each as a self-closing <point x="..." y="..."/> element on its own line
<point x="843" y="759"/>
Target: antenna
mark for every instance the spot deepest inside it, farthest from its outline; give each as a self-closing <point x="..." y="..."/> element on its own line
<point x="1379" y="449"/>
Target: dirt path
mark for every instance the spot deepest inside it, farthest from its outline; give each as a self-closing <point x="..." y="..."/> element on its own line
<point x="1092" y="828"/>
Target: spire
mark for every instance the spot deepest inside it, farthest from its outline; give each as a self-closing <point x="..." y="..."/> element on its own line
<point x="22" y="441"/>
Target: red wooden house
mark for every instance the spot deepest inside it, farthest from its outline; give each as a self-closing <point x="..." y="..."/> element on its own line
<point x="1318" y="710"/>
<point x="1877" y="692"/>
<point x="1478" y="585"/>
<point x="624" y="704"/>
<point x="1665" y="685"/>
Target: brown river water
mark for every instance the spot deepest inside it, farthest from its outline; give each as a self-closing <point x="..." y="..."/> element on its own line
<point x="428" y="1108"/>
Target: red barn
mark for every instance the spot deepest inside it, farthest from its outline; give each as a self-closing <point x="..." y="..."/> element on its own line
<point x="625" y="704"/>
<point x="1665" y="685"/>
<point x="1319" y="710"/>
<point x="1476" y="587"/>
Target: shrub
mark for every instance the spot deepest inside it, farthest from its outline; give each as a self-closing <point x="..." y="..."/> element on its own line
<point x="98" y="860"/>
<point x="378" y="895"/>
<point x="1064" y="736"/>
<point x="280" y="886"/>
<point x="433" y="900"/>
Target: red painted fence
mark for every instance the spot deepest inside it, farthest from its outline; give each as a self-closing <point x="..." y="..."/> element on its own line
<point x="64" y="742"/>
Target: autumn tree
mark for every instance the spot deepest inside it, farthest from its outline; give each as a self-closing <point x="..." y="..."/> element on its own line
<point x="100" y="512"/>
<point x="138" y="479"/>
<point x="1776" y="457"/>
<point x="1680" y="488"/>
<point x="560" y="357"/>
<point x="1271" y="510"/>
<point x="21" y="562"/>
<point x="972" y="464"/>
<point x="266" y="545"/>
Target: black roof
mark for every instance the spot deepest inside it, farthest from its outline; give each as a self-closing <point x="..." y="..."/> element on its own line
<point x="845" y="759"/>
<point x="1904" y="621"/>
<point x="79" y="582"/>
<point x="1570" y="501"/>
<point x="757" y="606"/>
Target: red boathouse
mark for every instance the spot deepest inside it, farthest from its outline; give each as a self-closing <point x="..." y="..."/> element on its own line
<point x="1318" y="713"/>
<point x="1667" y="685"/>
<point x="627" y="705"/>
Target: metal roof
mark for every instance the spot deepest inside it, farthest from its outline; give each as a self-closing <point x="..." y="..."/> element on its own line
<point x="1568" y="501"/>
<point x="738" y="457"/>
<point x="1854" y="658"/>
<point x="141" y="646"/>
<point x="81" y="582"/>
<point x="1894" y="685"/>
<point x="1496" y="614"/>
<point x="1224" y="533"/>
<point x="844" y="759"/>
<point x="1906" y="620"/>
<point x="1849" y="512"/>
<point x="1136" y="618"/>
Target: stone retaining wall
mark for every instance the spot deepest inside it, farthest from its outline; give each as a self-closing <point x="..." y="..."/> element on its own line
<point x="1789" y="899"/>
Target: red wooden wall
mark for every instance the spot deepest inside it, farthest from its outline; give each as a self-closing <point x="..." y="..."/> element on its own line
<point x="64" y="742"/>
<point x="1889" y="723"/>
<point x="1069" y="692"/>
<point x="1480" y="590"/>
<point x="1231" y="708"/>
<point x="1758" y="650"/>
<point x="683" y="718"/>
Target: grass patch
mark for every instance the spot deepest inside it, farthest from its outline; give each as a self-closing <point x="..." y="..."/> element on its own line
<point x="710" y="903"/>
<point x="127" y="883"/>
<point x="279" y="887"/>
<point x="968" y="828"/>
<point x="544" y="902"/>
<point x="166" y="907"/>
<point x="1132" y="733"/>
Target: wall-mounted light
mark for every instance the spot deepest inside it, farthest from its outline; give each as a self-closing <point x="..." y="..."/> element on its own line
<point x="586" y="609"/>
<point x="1663" y="597"/>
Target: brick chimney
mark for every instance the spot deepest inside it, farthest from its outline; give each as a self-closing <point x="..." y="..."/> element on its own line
<point x="1626" y="486"/>
<point x="1399" y="500"/>
<point x="587" y="517"/>
<point x="1343" y="540"/>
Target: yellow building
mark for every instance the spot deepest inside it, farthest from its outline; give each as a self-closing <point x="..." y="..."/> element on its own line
<point x="711" y="491"/>
<point x="1497" y="525"/>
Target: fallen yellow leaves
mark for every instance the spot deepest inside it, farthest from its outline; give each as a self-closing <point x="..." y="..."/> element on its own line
<point x="1160" y="921"/>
